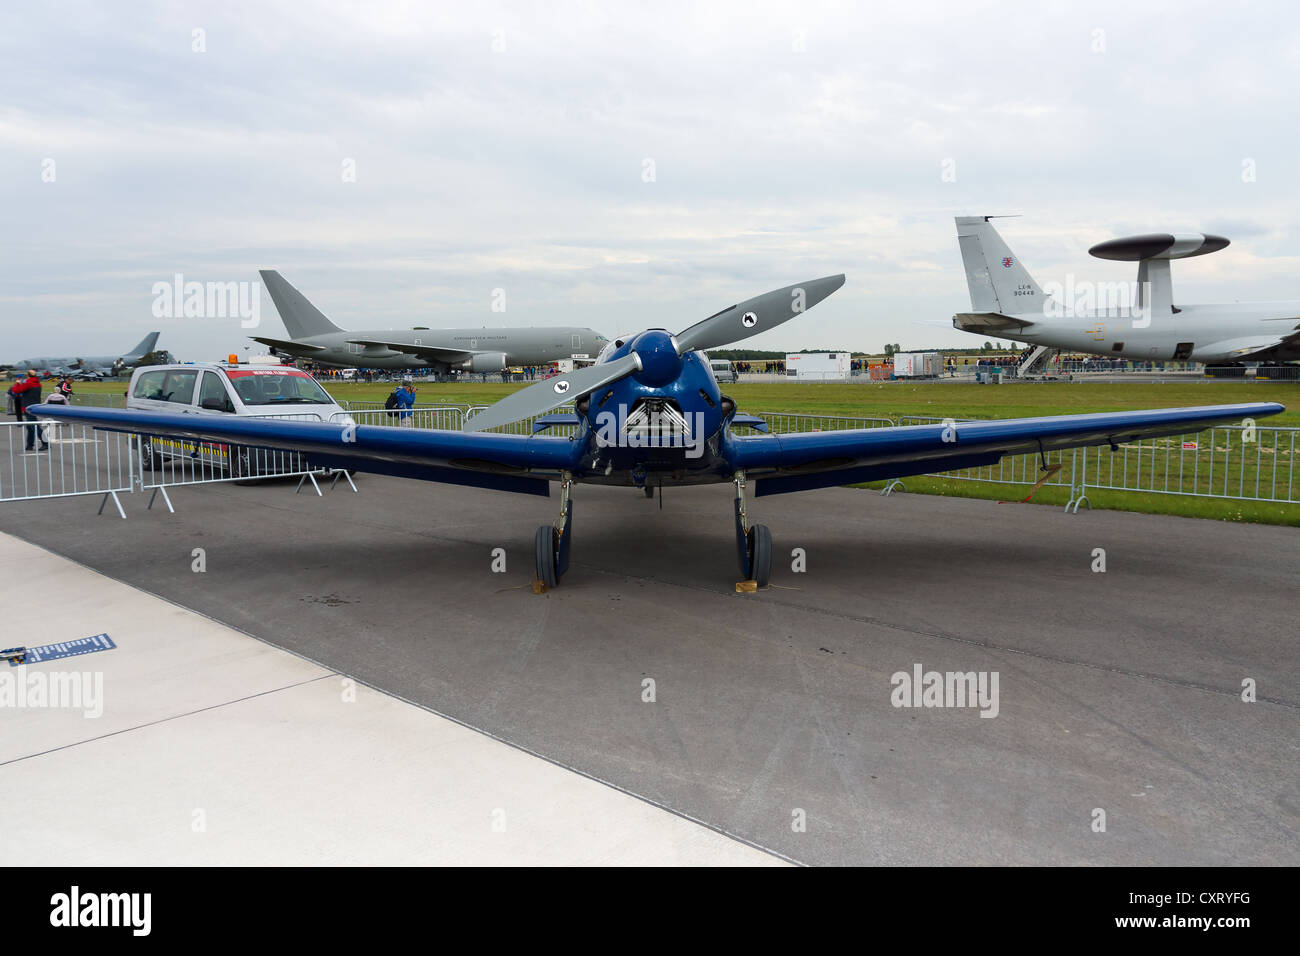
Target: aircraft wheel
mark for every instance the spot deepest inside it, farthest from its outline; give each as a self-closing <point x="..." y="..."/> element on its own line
<point x="760" y="554"/>
<point x="547" y="545"/>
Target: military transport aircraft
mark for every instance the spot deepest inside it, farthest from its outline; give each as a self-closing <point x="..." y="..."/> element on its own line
<point x="649" y="412"/>
<point x="314" y="337"/>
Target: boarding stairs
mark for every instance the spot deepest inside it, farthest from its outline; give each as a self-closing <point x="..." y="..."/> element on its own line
<point x="1036" y="362"/>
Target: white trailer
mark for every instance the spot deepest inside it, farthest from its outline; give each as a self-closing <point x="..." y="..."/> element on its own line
<point x="918" y="365"/>
<point x="818" y="366"/>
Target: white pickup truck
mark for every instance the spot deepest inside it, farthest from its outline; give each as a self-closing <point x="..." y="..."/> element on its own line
<point x="255" y="391"/>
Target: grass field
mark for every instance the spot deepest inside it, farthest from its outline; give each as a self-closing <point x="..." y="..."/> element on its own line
<point x="1012" y="400"/>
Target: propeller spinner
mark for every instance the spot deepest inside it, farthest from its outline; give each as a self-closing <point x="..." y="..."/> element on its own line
<point x="655" y="356"/>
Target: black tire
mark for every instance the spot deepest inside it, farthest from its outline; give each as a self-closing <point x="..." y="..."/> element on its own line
<point x="760" y="554"/>
<point x="649" y="491"/>
<point x="241" y="465"/>
<point x="546" y="547"/>
<point x="149" y="458"/>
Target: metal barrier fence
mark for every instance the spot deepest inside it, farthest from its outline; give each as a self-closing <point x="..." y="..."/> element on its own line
<point x="1249" y="463"/>
<point x="1240" y="462"/>
<point x="166" y="462"/>
<point x="1237" y="462"/>
<point x="780" y="422"/>
<point x="525" y="425"/>
<point x="66" y="459"/>
<point x="446" y="417"/>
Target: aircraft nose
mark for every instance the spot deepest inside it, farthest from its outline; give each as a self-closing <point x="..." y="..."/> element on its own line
<point x="660" y="363"/>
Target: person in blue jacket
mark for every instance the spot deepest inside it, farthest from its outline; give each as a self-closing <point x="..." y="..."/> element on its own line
<point x="405" y="400"/>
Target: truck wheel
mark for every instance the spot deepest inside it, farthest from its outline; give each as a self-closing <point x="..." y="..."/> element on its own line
<point x="150" y="460"/>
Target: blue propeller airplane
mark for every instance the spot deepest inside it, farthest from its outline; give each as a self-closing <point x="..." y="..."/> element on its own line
<point x="649" y="412"/>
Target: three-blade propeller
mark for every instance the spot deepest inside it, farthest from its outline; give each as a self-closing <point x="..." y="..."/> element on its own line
<point x="733" y="324"/>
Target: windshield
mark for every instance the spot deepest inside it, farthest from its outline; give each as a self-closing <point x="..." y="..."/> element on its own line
<point x="268" y="387"/>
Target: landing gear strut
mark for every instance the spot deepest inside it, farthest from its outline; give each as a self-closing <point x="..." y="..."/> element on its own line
<point x="753" y="542"/>
<point x="552" y="543"/>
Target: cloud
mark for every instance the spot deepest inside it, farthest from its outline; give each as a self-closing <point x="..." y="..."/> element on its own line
<point x="623" y="165"/>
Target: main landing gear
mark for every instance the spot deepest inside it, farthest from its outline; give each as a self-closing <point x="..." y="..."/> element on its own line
<point x="753" y="542"/>
<point x="552" y="543"/>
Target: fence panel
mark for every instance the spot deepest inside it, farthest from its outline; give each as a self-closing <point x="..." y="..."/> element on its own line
<point x="1239" y="462"/>
<point x="441" y="417"/>
<point x="66" y="458"/>
<point x="785" y="422"/>
<point x="166" y="462"/>
<point x="525" y="425"/>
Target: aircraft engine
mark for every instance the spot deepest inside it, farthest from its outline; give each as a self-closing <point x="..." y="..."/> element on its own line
<point x="486" y="362"/>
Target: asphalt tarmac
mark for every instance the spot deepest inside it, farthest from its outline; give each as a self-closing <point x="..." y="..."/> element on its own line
<point x="1120" y="735"/>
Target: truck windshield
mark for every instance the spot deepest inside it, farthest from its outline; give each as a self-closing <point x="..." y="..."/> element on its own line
<point x="278" y="388"/>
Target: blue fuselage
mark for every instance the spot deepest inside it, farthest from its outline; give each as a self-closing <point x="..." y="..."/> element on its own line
<point x="684" y="384"/>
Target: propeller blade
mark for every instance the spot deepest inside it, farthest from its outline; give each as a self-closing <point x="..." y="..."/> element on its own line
<point x="541" y="397"/>
<point x="756" y="315"/>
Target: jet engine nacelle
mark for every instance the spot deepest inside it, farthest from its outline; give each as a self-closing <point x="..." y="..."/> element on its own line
<point x="486" y="362"/>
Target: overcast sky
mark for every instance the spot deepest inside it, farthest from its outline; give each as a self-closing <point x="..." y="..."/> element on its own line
<point x="509" y="146"/>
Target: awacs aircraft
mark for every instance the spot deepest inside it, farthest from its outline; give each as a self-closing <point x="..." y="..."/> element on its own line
<point x="649" y="412"/>
<point x="102" y="364"/>
<point x="1007" y="302"/>
<point x="314" y="337"/>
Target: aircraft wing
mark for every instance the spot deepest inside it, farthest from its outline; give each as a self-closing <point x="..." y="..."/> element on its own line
<point x="518" y="463"/>
<point x="434" y="353"/>
<point x="1244" y="347"/>
<point x="805" y="460"/>
<point x="287" y="344"/>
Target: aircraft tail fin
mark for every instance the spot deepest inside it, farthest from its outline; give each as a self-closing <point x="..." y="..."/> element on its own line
<point x="997" y="281"/>
<point x="146" y="345"/>
<point x="301" y="318"/>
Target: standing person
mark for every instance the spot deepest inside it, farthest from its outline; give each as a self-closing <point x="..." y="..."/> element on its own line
<point x="393" y="402"/>
<point x="405" y="401"/>
<point x="26" y="393"/>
